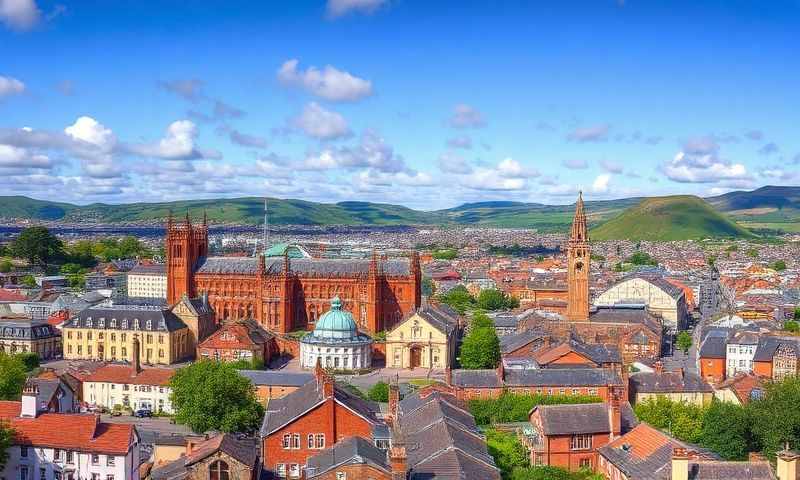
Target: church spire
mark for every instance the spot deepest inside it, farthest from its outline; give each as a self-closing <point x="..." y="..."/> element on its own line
<point x="579" y="233"/>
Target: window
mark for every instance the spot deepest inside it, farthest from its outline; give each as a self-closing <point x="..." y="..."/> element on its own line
<point x="69" y="457"/>
<point x="23" y="473"/>
<point x="57" y="475"/>
<point x="586" y="463"/>
<point x="280" y="470"/>
<point x="23" y="451"/>
<point x="42" y="473"/>
<point x="57" y="455"/>
<point x="218" y="471"/>
<point x="95" y="476"/>
<point x="109" y="477"/>
<point x="110" y="460"/>
<point x="581" y="442"/>
<point x="287" y="441"/>
<point x="95" y="459"/>
<point x="294" y="470"/>
<point x="310" y="440"/>
<point x="341" y="475"/>
<point x="296" y="441"/>
<point x="319" y="440"/>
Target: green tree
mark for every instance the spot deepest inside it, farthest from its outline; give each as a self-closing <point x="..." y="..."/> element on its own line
<point x="481" y="349"/>
<point x="492" y="299"/>
<point x="211" y="395"/>
<point x="458" y="298"/>
<point x="641" y="258"/>
<point x="507" y="451"/>
<point x="752" y="252"/>
<point x="683" y="420"/>
<point x="6" y="439"/>
<point x="779" y="265"/>
<point x="445" y="254"/>
<point x="791" y="326"/>
<point x="797" y="313"/>
<point x="513" y="407"/>
<point x="428" y="287"/>
<point x="726" y="430"/>
<point x="6" y="266"/>
<point x="379" y="392"/>
<point x="29" y="359"/>
<point x="28" y="281"/>
<point x="684" y="341"/>
<point x="775" y="418"/>
<point x="12" y="376"/>
<point x="481" y="320"/>
<point x="38" y="246"/>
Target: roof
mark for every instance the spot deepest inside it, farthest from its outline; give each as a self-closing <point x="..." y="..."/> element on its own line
<point x="742" y="385"/>
<point x="680" y="381"/>
<point x="127" y="317"/>
<point x="566" y="377"/>
<point x="597" y="353"/>
<point x="240" y="334"/>
<point x="82" y="432"/>
<point x="713" y="346"/>
<point x="149" y="269"/>
<point x="515" y="341"/>
<point x="620" y="314"/>
<point x="125" y="374"/>
<point x="768" y="345"/>
<point x="440" y="316"/>
<point x="23" y="328"/>
<point x="276" y="378"/>
<point x="574" y="419"/>
<point x="302" y="266"/>
<point x="348" y="451"/>
<point x="242" y="449"/>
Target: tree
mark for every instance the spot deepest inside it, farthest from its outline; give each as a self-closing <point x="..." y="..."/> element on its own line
<point x="211" y="395"/>
<point x="507" y="451"/>
<point x="682" y="420"/>
<point x="684" y="341"/>
<point x="38" y="246"/>
<point x="6" y="439"/>
<point x="445" y="254"/>
<point x="29" y="359"/>
<point x="379" y="392"/>
<point x="492" y="299"/>
<point x="28" y="281"/>
<point x="481" y="349"/>
<point x="726" y="430"/>
<point x="775" y="418"/>
<point x="458" y="298"/>
<point x="791" y="326"/>
<point x="12" y="376"/>
<point x="428" y="287"/>
<point x="779" y="265"/>
<point x="752" y="252"/>
<point x="797" y="313"/>
<point x="6" y="266"/>
<point x="481" y="320"/>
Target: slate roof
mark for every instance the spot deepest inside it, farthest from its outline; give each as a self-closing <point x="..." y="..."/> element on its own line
<point x="276" y="377"/>
<point x="509" y="343"/>
<point x="47" y="389"/>
<point x="238" y="335"/>
<point x="476" y="378"/>
<point x="303" y="266"/>
<point x="670" y="289"/>
<point x="768" y="345"/>
<point x="619" y="314"/>
<point x="151" y="269"/>
<point x="348" y="451"/>
<point x="124" y="318"/>
<point x="441" y="317"/>
<point x="242" y="449"/>
<point x="598" y="354"/>
<point x="17" y="327"/>
<point x="567" y="377"/>
<point x="668" y="382"/>
<point x="713" y="347"/>
<point x="574" y="419"/>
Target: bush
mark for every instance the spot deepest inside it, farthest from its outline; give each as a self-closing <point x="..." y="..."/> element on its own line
<point x="791" y="326"/>
<point x="379" y="392"/>
<point x="480" y="349"/>
<point x="507" y="451"/>
<point x="779" y="265"/>
<point x="6" y="266"/>
<point x="513" y="407"/>
<point x="445" y="254"/>
<point x="492" y="299"/>
<point x="481" y="320"/>
<point x="29" y="359"/>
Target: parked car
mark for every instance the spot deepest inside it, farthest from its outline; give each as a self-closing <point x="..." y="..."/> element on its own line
<point x="143" y="413"/>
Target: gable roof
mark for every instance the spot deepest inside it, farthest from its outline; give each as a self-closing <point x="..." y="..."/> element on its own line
<point x="125" y="374"/>
<point x="573" y="419"/>
<point x="509" y="343"/>
<point x="681" y="381"/>
<point x="599" y="354"/>
<point x="240" y="334"/>
<point x="348" y="451"/>
<point x="276" y="378"/>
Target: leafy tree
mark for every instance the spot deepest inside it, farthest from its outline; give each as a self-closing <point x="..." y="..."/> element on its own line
<point x="791" y="326"/>
<point x="507" y="451"/>
<point x="379" y="392"/>
<point x="481" y="320"/>
<point x="775" y="418"/>
<point x="683" y="420"/>
<point x="641" y="258"/>
<point x="428" y="287"/>
<point x="6" y="266"/>
<point x="211" y="395"/>
<point x="28" y="281"/>
<point x="6" y="439"/>
<point x="445" y="254"/>
<point x="492" y="299"/>
<point x="726" y="430"/>
<point x="797" y="313"/>
<point x="252" y="364"/>
<point x="481" y="349"/>
<point x="29" y="359"/>
<point x="779" y="265"/>
<point x="458" y="298"/>
<point x="684" y="341"/>
<point x="12" y="376"/>
<point x="752" y="252"/>
<point x="552" y="473"/>
<point x="38" y="246"/>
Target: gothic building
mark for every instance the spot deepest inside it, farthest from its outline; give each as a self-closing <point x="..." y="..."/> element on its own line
<point x="578" y="258"/>
<point x="285" y="294"/>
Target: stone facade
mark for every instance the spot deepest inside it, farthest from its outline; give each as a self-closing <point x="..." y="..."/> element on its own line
<point x="20" y="334"/>
<point x="285" y="294"/>
<point x="426" y="339"/>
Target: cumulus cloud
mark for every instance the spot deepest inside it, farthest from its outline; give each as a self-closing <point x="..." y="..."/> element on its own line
<point x="699" y="162"/>
<point x="610" y="167"/>
<point x="465" y="116"/>
<point x="96" y="146"/>
<point x="410" y="178"/>
<point x="595" y="133"/>
<point x="15" y="157"/>
<point x="507" y="175"/>
<point x="779" y="173"/>
<point x="10" y="86"/>
<point x="317" y="122"/>
<point x="371" y="152"/>
<point x="339" y="8"/>
<point x="178" y="143"/>
<point x="575" y="164"/>
<point x="601" y="183"/>
<point x="19" y="15"/>
<point x="246" y="140"/>
<point x="329" y="83"/>
<point x="464" y="142"/>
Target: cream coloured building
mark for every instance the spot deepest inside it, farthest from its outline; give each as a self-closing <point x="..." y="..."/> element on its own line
<point x="426" y="339"/>
<point x="661" y="298"/>
<point x="148" y="281"/>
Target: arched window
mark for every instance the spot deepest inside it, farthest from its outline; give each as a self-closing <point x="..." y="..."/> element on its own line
<point x="219" y="471"/>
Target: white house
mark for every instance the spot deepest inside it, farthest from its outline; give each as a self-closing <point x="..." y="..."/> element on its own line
<point x="65" y="446"/>
<point x="739" y="353"/>
<point x="147" y="281"/>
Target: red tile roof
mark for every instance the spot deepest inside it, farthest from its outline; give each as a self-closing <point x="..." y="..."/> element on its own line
<point x="11" y="296"/>
<point x="125" y="374"/>
<point x="237" y="336"/>
<point x="643" y="441"/>
<point x="82" y="432"/>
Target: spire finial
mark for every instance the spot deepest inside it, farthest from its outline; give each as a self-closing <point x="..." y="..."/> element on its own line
<point x="205" y="217"/>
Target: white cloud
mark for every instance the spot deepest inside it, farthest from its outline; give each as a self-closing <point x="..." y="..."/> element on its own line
<point x="19" y="14"/>
<point x="15" y="157"/>
<point x="371" y="152"/>
<point x="178" y="143"/>
<point x="699" y="162"/>
<point x="595" y="133"/>
<point x="317" y="122"/>
<point x="95" y="146"/>
<point x="451" y="163"/>
<point x="465" y="116"/>
<point x="464" y="142"/>
<point x="247" y="140"/>
<point x="411" y="178"/>
<point x="338" y="8"/>
<point x="601" y="183"/>
<point x="89" y="130"/>
<point x="329" y="83"/>
<point x="10" y="86"/>
<point x="508" y="175"/>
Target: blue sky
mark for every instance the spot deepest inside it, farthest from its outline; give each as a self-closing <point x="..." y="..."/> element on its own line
<point x="427" y="104"/>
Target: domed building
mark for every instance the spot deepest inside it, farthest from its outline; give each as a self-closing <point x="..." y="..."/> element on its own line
<point x="336" y="342"/>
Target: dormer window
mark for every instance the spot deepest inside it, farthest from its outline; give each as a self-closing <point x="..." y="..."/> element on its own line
<point x="125" y="324"/>
<point x="136" y="324"/>
<point x="101" y="323"/>
<point x="149" y="325"/>
<point x="113" y="323"/>
<point x="89" y="322"/>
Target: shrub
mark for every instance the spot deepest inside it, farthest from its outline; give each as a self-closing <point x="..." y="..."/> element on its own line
<point x="379" y="392"/>
<point x="513" y="407"/>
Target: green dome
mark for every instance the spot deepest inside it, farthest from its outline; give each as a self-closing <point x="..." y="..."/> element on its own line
<point x="336" y="323"/>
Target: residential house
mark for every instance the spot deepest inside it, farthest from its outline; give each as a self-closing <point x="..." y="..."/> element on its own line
<point x="272" y="384"/>
<point x="21" y="334"/>
<point x="237" y="340"/>
<point x="354" y="458"/>
<point x="147" y="281"/>
<point x="740" y="389"/>
<point x="679" y="386"/>
<point x="224" y="456"/>
<point x="740" y="351"/>
<point x="427" y="339"/>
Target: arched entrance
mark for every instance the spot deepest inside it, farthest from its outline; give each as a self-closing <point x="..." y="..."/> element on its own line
<point x="415" y="359"/>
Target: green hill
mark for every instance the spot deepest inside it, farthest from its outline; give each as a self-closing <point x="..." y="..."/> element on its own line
<point x="680" y="217"/>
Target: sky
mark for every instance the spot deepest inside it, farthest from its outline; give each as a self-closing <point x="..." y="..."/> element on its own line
<point x="420" y="103"/>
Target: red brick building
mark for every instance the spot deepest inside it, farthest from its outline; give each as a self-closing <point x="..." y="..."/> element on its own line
<point x="237" y="340"/>
<point x="285" y="294"/>
<point x="310" y="419"/>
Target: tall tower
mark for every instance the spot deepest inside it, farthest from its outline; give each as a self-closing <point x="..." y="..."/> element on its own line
<point x="186" y="244"/>
<point x="578" y="254"/>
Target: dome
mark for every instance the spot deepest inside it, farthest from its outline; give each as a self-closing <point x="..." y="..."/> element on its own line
<point x="336" y="323"/>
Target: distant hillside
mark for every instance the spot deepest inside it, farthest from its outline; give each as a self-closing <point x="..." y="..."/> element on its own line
<point x="770" y="207"/>
<point x="680" y="217"/>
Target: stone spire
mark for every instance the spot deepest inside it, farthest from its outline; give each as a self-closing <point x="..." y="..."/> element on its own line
<point x="579" y="233"/>
<point x="578" y="258"/>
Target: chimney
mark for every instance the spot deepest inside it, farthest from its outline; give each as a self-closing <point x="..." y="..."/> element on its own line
<point x="658" y="367"/>
<point x="448" y="376"/>
<point x="327" y="386"/>
<point x="136" y="366"/>
<point x="682" y="373"/>
<point x="397" y="461"/>
<point x="501" y="374"/>
<point x="394" y="400"/>
<point x="319" y="373"/>
<point x="30" y="394"/>
<point x="786" y="467"/>
<point x="680" y="464"/>
<point x="614" y="414"/>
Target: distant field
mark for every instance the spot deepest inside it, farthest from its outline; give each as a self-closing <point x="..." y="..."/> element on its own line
<point x="790" y="227"/>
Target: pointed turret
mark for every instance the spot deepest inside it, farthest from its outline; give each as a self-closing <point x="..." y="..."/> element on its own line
<point x="579" y="258"/>
<point x="205" y="218"/>
<point x="579" y="232"/>
<point x="262" y="266"/>
<point x="188" y="220"/>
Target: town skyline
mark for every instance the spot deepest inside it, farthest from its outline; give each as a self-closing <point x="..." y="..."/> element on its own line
<point x="529" y="104"/>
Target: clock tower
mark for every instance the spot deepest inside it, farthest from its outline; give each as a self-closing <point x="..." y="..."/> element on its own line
<point x="578" y="254"/>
